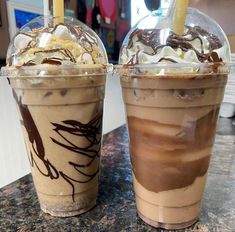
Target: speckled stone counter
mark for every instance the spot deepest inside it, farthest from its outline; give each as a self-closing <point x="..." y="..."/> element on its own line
<point x="115" y="210"/>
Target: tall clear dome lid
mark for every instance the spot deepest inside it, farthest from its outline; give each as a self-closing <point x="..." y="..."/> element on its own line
<point x="55" y="41"/>
<point x="152" y="40"/>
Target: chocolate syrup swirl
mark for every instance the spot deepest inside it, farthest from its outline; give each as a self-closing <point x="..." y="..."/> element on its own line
<point x="91" y="131"/>
<point x="176" y="41"/>
<point x="36" y="141"/>
<point x="152" y="38"/>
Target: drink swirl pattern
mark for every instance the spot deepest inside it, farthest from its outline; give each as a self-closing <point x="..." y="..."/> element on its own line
<point x="91" y="131"/>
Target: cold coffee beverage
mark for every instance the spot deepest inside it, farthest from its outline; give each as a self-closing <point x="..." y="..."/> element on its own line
<point x="172" y="125"/>
<point x="57" y="74"/>
<point x="172" y="86"/>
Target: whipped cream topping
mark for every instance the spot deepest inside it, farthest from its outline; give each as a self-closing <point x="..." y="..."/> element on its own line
<point x="62" y="44"/>
<point x="147" y="46"/>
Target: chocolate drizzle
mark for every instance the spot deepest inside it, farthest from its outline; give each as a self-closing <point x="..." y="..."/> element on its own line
<point x="64" y="52"/>
<point x="183" y="42"/>
<point x="84" y="37"/>
<point x="53" y="61"/>
<point x="135" y="58"/>
<point x="30" y="63"/>
<point x="90" y="131"/>
<point x="152" y="38"/>
<point x="36" y="142"/>
<point x="79" y="35"/>
<point x="167" y="59"/>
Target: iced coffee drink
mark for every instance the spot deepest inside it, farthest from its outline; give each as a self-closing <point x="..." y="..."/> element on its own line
<point x="172" y="87"/>
<point x="57" y="74"/>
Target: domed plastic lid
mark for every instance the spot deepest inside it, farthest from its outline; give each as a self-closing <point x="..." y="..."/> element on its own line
<point x="55" y="41"/>
<point x="152" y="41"/>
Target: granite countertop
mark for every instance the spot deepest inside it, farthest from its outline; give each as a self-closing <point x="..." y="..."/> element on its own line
<point x="115" y="210"/>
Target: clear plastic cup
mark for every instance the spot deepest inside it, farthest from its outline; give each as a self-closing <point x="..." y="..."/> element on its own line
<point x="60" y="107"/>
<point x="172" y="111"/>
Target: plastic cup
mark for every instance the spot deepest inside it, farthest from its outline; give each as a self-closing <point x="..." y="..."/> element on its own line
<point x="61" y="109"/>
<point x="172" y="123"/>
<point x="172" y="111"/>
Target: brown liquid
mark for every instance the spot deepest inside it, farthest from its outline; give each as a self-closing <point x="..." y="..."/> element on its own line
<point x="172" y="124"/>
<point x="158" y="174"/>
<point x="62" y="124"/>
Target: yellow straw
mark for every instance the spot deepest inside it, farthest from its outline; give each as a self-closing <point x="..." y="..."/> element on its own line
<point x="179" y="16"/>
<point x="58" y="10"/>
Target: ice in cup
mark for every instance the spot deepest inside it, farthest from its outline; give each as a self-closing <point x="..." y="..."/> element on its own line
<point x="172" y="87"/>
<point x="57" y="74"/>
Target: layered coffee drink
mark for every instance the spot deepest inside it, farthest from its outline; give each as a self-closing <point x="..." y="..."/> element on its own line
<point x="57" y="74"/>
<point x="172" y="86"/>
<point x="171" y="134"/>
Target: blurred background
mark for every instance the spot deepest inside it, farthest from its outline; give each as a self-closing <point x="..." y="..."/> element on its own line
<point x="111" y="19"/>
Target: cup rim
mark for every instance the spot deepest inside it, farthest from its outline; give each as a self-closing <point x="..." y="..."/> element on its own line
<point x="178" y="68"/>
<point x="79" y="70"/>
